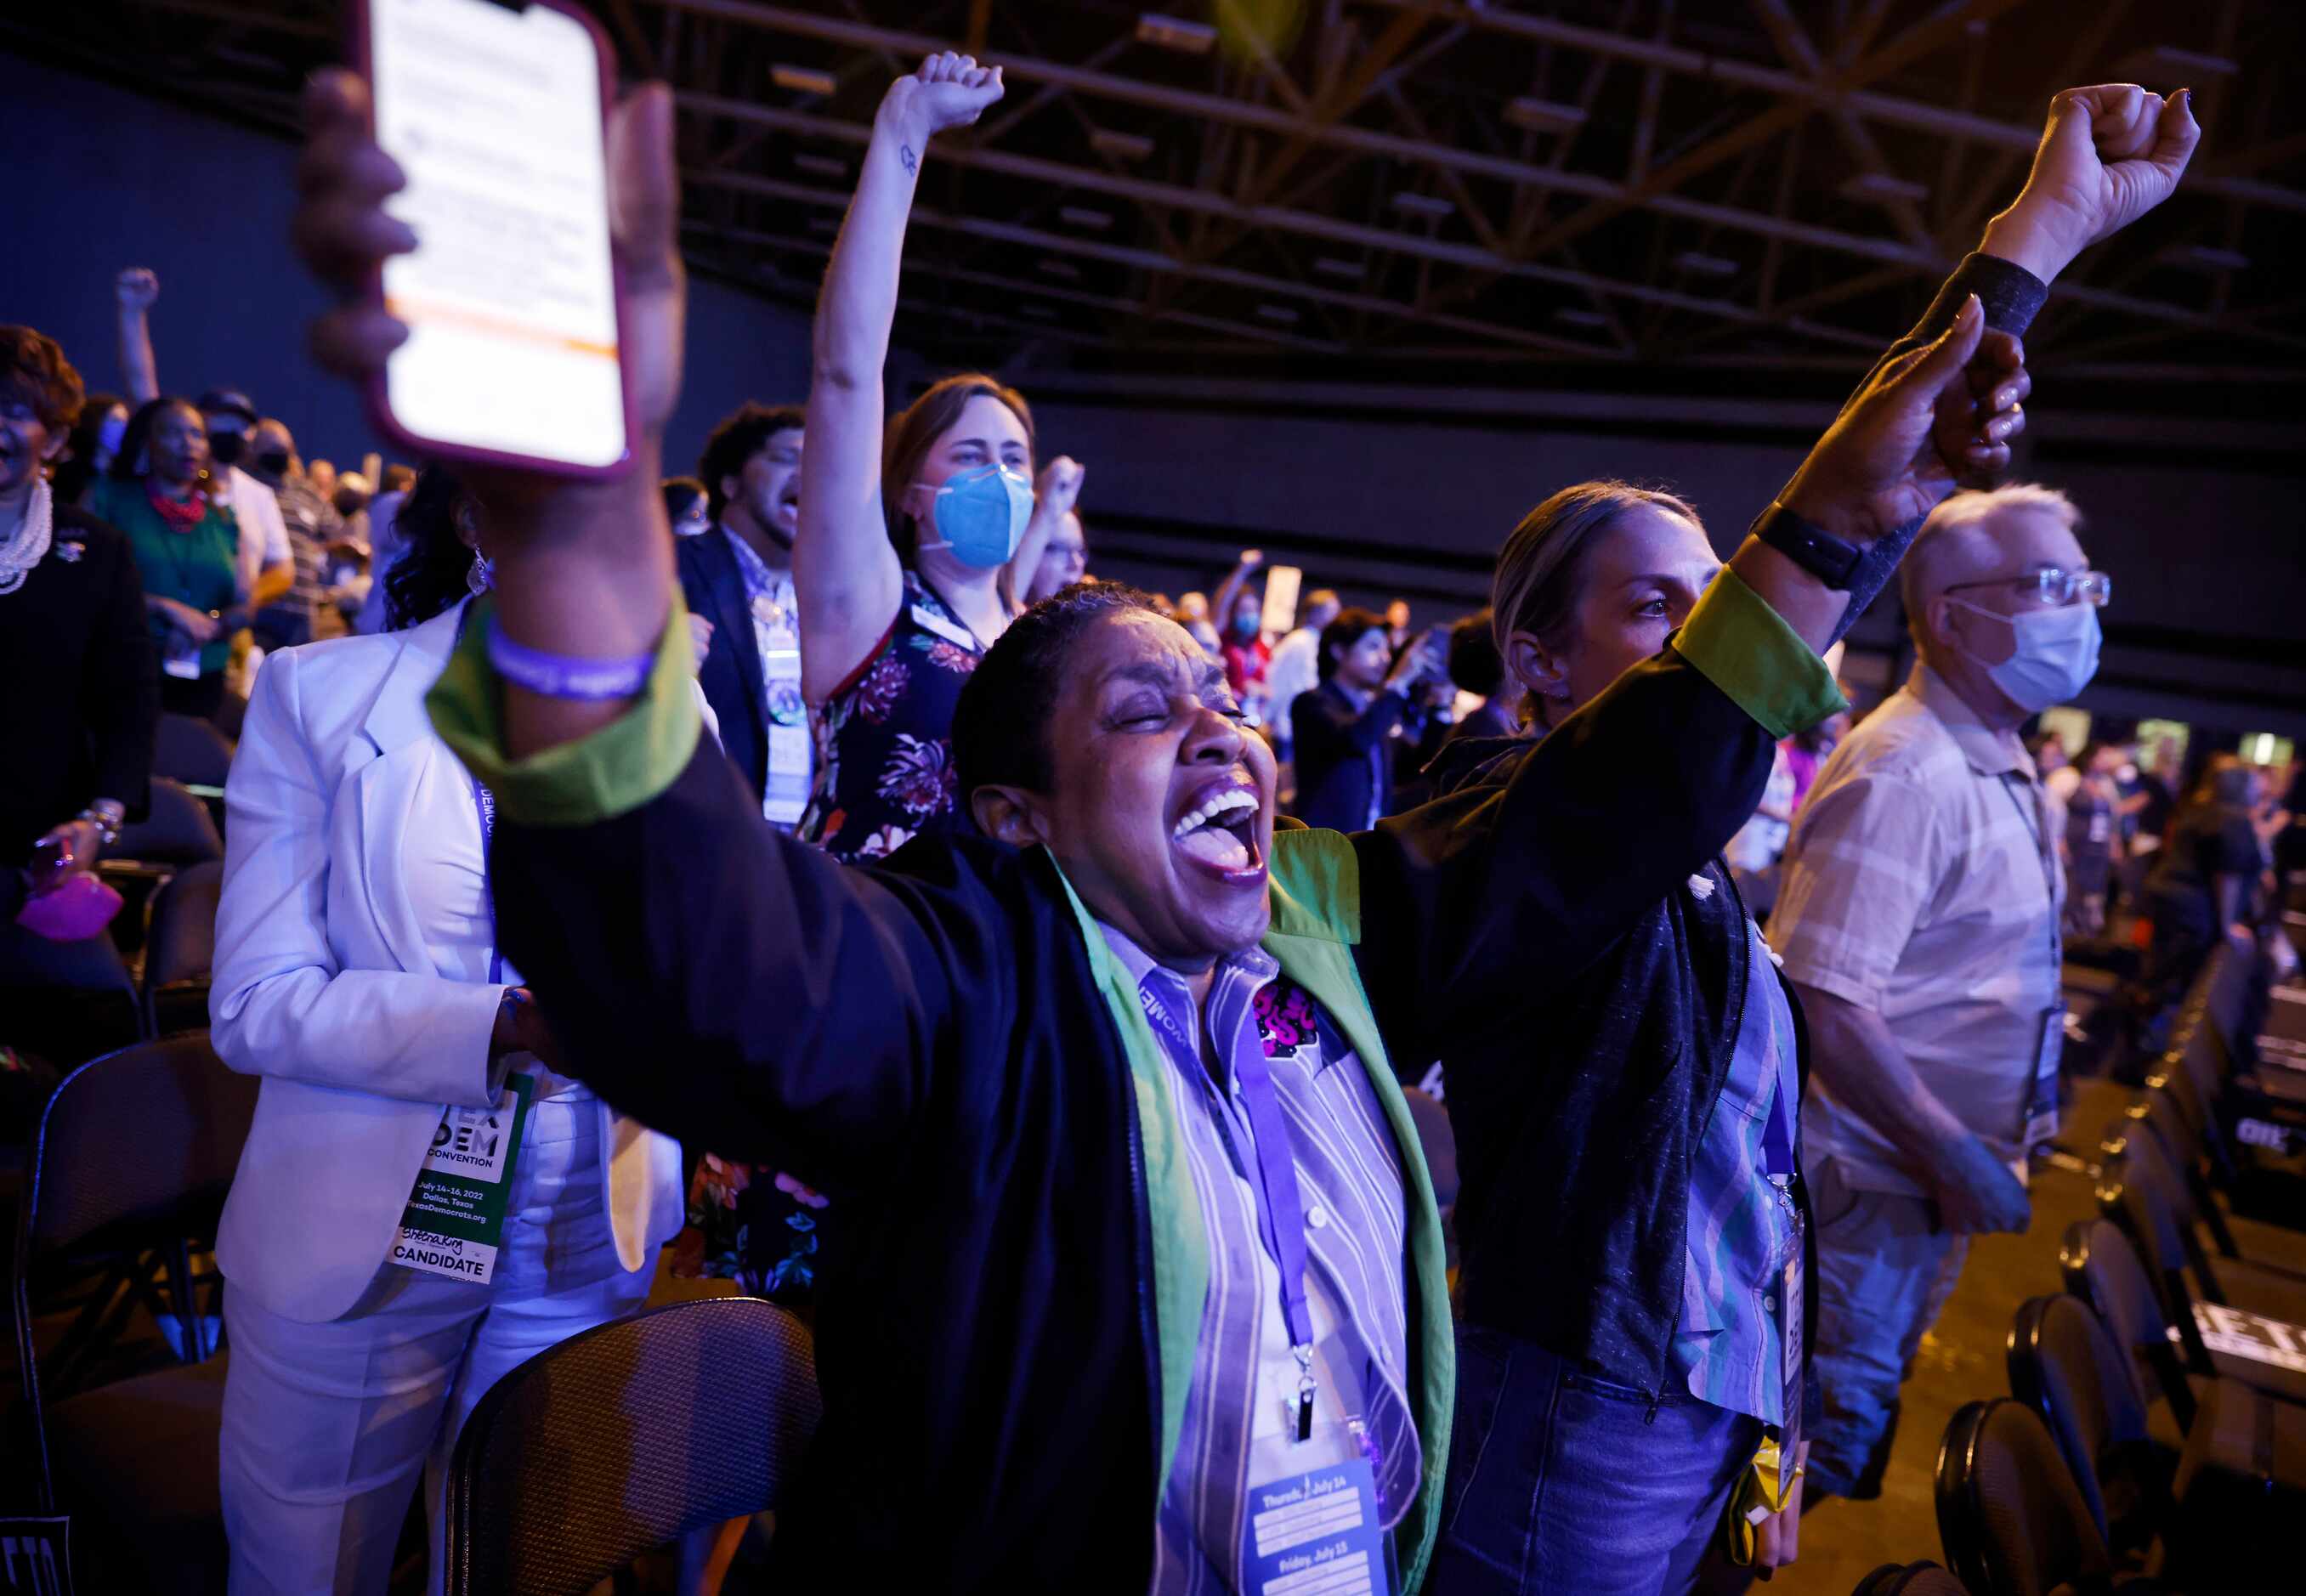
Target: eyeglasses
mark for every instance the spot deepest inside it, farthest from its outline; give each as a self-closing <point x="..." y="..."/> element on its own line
<point x="2051" y="588"/>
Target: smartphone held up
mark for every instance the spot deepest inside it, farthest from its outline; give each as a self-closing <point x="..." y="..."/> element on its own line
<point x="496" y="112"/>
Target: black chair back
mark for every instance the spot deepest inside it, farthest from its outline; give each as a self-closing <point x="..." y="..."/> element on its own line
<point x="2010" y="1513"/>
<point x="2139" y="1159"/>
<point x="2067" y="1366"/>
<point x="134" y="1153"/>
<point x="180" y="950"/>
<point x="176" y="831"/>
<point x="2143" y="1213"/>
<point x="2102" y="1269"/>
<point x="190" y="751"/>
<point x="568" y="1469"/>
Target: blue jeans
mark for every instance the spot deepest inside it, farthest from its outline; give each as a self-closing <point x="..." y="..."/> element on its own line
<point x="1560" y="1481"/>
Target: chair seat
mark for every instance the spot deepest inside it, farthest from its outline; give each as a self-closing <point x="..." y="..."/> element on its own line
<point x="136" y="1467"/>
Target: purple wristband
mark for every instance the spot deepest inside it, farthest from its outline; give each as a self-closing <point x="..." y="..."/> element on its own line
<point x="566" y="676"/>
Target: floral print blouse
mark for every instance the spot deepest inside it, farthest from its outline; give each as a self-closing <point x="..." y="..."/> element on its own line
<point x="884" y="770"/>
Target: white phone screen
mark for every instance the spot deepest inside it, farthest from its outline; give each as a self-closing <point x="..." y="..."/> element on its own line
<point x="494" y="116"/>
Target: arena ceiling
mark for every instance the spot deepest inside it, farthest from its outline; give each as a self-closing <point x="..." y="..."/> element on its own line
<point x="1426" y="190"/>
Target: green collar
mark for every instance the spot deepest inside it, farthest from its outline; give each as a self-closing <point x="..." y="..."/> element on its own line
<point x="1316" y="903"/>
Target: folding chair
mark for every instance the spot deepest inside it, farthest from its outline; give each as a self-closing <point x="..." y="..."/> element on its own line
<point x="2013" y="1519"/>
<point x="133" y="1155"/>
<point x="623" y="1439"/>
<point x="180" y="950"/>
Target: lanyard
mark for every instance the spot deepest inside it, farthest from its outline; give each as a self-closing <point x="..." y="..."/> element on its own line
<point x="485" y="805"/>
<point x="2038" y="831"/>
<point x="1281" y="1215"/>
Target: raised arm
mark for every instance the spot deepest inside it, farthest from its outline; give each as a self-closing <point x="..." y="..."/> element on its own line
<point x="133" y="291"/>
<point x="846" y="574"/>
<point x="1055" y="494"/>
<point x="1221" y="605"/>
<point x="1495" y="895"/>
<point x="636" y="887"/>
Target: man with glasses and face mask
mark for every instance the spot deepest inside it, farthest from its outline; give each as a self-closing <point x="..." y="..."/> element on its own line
<point x="1919" y="919"/>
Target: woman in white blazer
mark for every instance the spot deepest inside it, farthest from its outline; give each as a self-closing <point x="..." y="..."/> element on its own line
<point x="353" y="972"/>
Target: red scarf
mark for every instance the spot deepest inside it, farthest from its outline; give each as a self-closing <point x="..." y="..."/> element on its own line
<point x="179" y="517"/>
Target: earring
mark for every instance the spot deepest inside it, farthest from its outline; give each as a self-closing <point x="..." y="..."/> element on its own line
<point x="482" y="576"/>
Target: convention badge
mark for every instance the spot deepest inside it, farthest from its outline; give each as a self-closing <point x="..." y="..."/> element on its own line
<point x="1315" y="1534"/>
<point x="1790" y="1334"/>
<point x="2040" y="1122"/>
<point x="787" y="797"/>
<point x="456" y="1217"/>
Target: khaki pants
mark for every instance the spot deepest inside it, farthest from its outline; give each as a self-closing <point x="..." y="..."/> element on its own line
<point x="1885" y="1271"/>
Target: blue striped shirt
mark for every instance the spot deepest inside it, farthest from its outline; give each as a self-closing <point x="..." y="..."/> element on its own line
<point x="1349" y="1178"/>
<point x="1743" y="1230"/>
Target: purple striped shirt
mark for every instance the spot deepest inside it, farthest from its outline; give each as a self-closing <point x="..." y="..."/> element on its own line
<point x="1356" y="1232"/>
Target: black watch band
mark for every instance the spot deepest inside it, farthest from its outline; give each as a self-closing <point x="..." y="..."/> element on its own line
<point x="1832" y="560"/>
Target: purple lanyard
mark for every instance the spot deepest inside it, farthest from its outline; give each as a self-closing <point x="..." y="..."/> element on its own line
<point x="485" y="803"/>
<point x="1277" y="1174"/>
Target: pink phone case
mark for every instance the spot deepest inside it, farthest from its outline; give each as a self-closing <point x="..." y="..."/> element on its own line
<point x="379" y="405"/>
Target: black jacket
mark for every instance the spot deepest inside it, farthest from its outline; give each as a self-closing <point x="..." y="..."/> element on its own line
<point x="1333" y="741"/>
<point x="713" y="586"/>
<point x="1579" y="1096"/>
<point x="923" y="1041"/>
<point x="84" y="697"/>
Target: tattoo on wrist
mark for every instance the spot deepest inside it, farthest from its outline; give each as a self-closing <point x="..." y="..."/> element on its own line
<point x="905" y="154"/>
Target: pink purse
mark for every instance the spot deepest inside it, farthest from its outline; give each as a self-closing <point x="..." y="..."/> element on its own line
<point x="73" y="912"/>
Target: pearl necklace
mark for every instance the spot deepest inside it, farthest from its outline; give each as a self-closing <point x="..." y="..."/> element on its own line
<point x="27" y="545"/>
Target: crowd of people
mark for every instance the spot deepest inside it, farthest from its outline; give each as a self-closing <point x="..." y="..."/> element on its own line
<point x="1021" y="971"/>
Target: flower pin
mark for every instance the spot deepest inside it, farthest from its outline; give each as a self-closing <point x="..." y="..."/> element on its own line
<point x="70" y="553"/>
<point x="1701" y="886"/>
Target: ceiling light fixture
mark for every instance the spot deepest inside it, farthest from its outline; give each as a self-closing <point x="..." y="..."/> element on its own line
<point x="1175" y="33"/>
<point x="1423" y="204"/>
<point x="803" y="79"/>
<point x="1545" y="115"/>
<point x="1121" y="146"/>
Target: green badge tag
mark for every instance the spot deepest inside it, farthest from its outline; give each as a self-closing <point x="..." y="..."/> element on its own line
<point x="456" y="1216"/>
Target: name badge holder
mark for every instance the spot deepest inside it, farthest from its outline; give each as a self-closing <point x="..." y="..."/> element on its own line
<point x="2038" y="1121"/>
<point x="454" y="1224"/>
<point x="790" y="750"/>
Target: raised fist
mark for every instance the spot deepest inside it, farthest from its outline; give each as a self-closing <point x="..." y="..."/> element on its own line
<point x="1059" y="486"/>
<point x="136" y="288"/>
<point x="949" y="90"/>
<point x="2110" y="154"/>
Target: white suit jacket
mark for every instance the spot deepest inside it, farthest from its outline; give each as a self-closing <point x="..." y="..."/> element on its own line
<point x="324" y="984"/>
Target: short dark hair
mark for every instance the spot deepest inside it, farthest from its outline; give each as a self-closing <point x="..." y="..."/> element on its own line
<point x="1475" y="665"/>
<point x="33" y="369"/>
<point x="1001" y="725"/>
<point x="743" y="434"/>
<point x="1353" y="624"/>
<point x="680" y="492"/>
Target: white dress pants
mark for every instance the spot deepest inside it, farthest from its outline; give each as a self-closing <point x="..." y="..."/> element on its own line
<point x="327" y="1426"/>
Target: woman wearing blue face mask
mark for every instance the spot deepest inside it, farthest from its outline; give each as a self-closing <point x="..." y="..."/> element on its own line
<point x="902" y="566"/>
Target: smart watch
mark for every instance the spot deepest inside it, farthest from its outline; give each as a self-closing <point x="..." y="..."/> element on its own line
<point x="1832" y="560"/>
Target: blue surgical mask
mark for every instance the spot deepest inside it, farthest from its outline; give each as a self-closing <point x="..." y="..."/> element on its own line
<point x="2055" y="657"/>
<point x="980" y="514"/>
